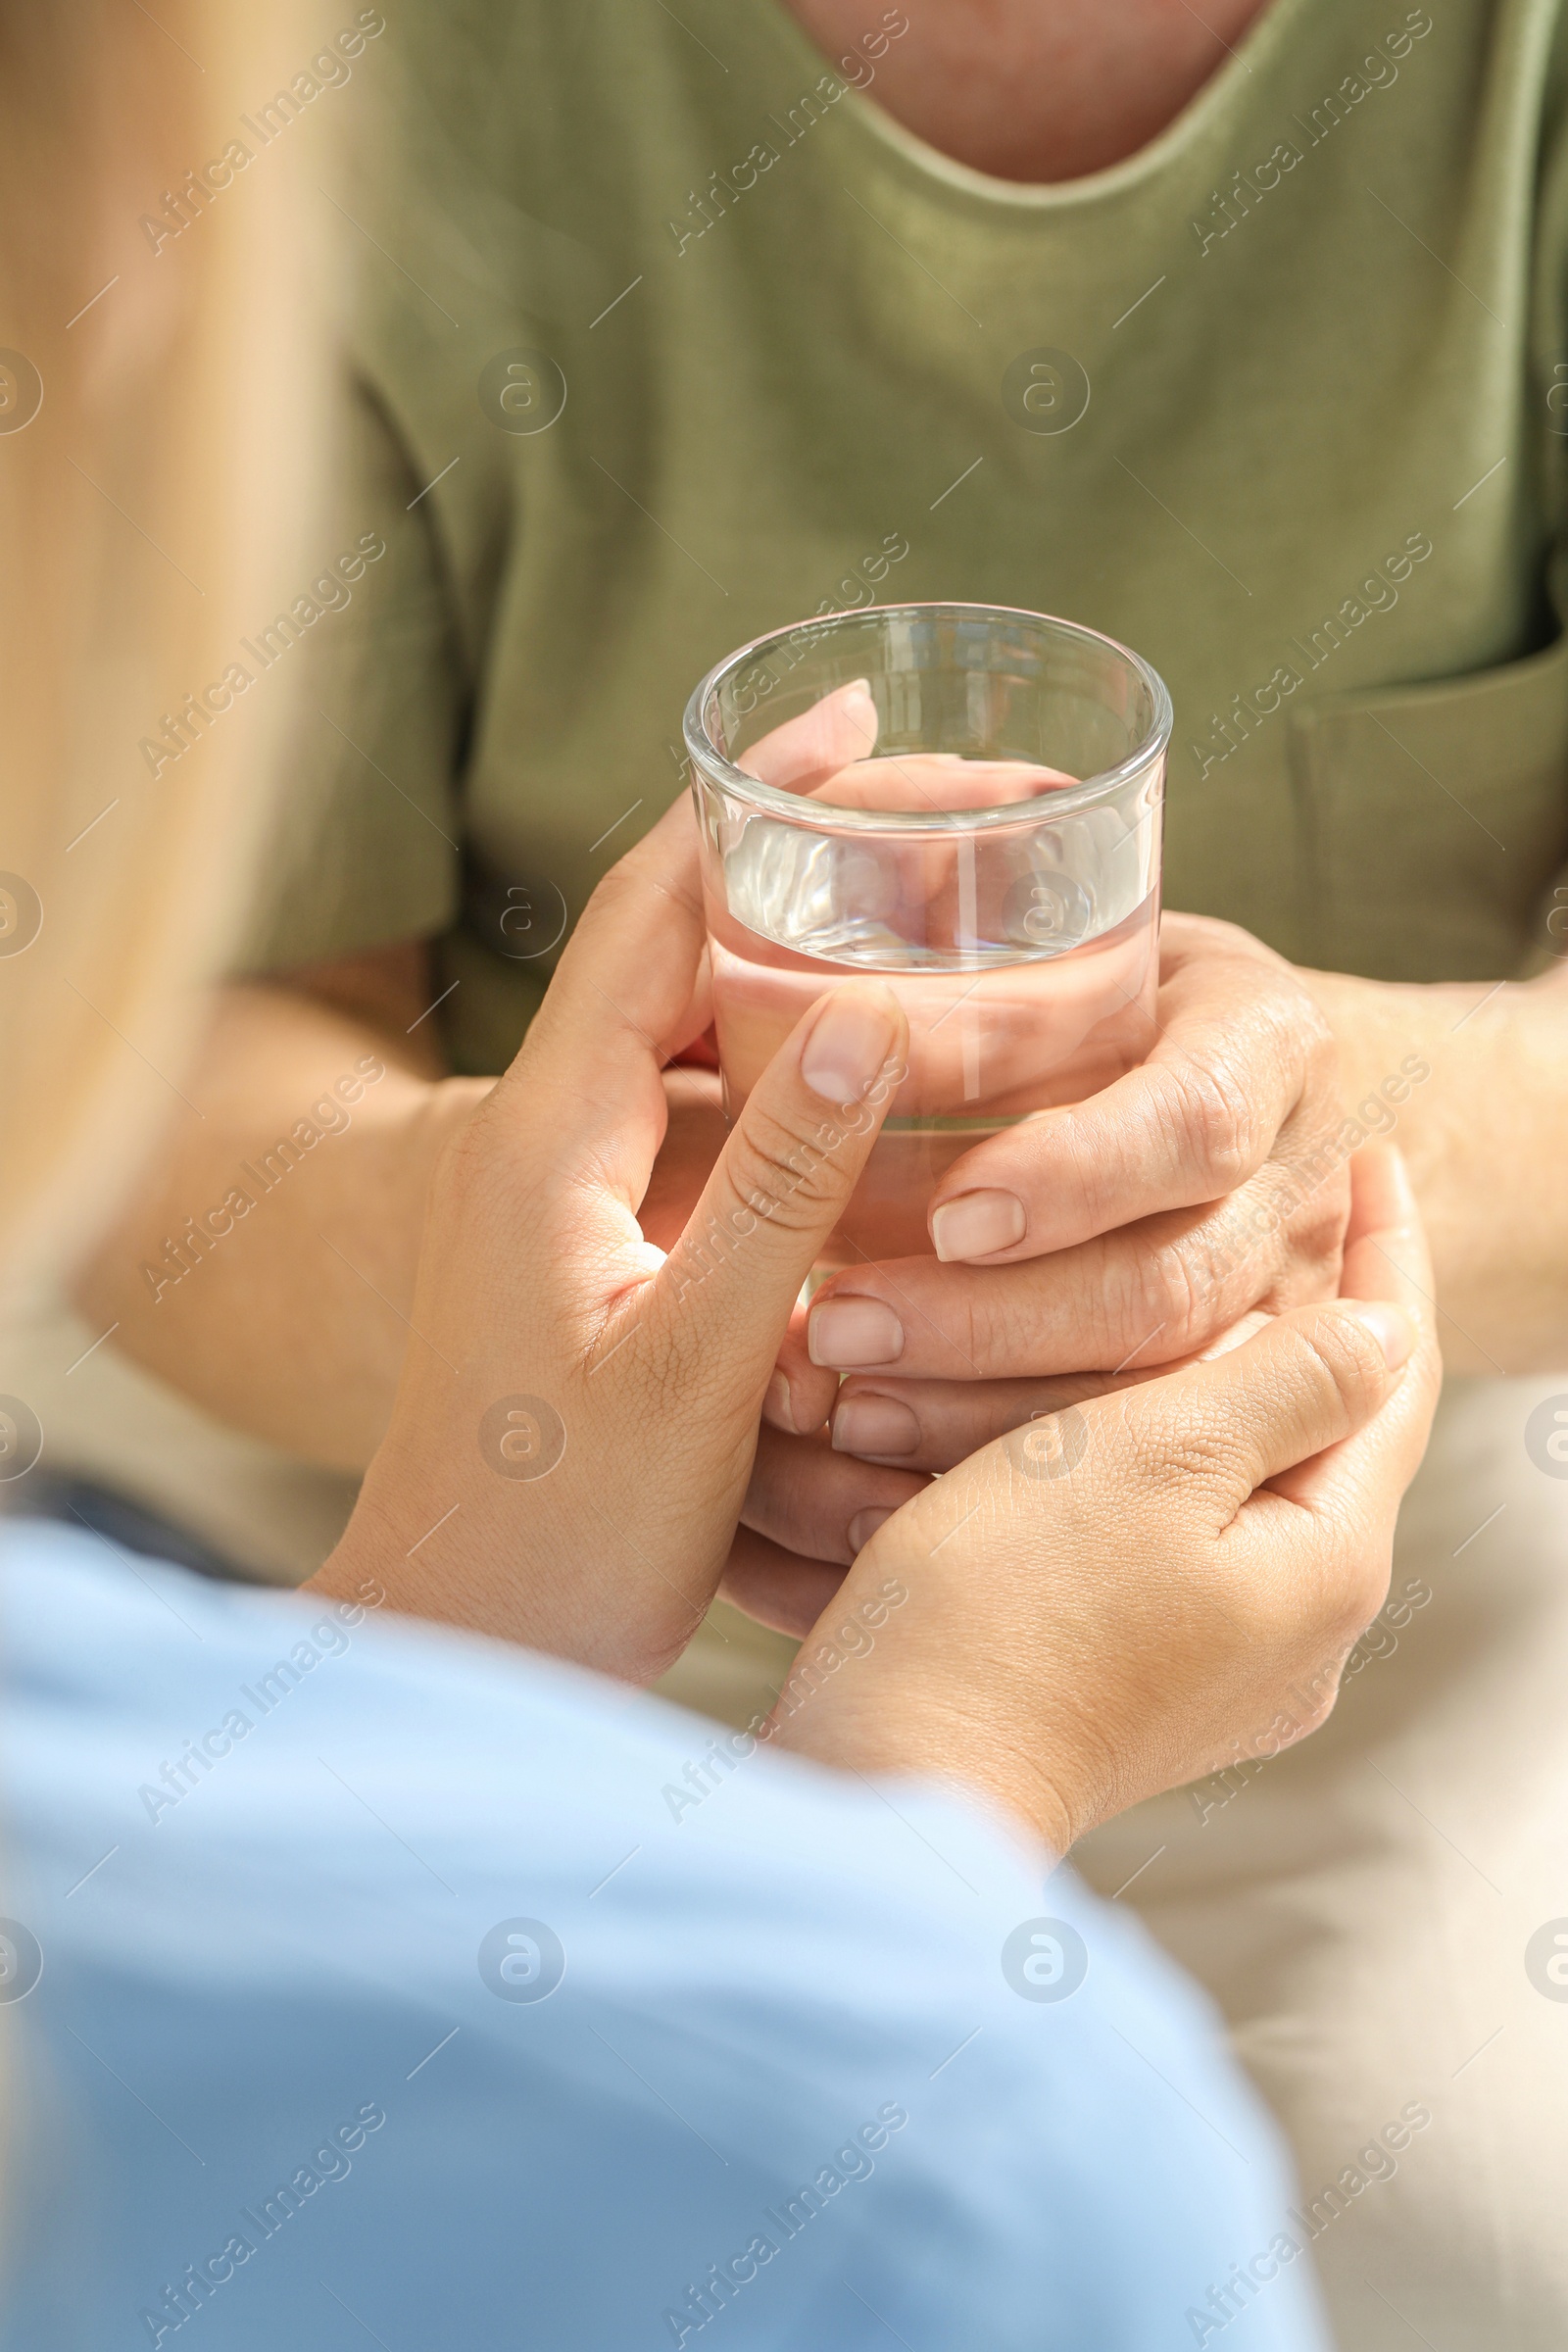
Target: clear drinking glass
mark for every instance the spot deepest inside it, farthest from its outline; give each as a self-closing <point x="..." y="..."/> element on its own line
<point x="965" y="801"/>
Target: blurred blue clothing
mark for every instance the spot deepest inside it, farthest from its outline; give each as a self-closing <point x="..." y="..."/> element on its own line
<point x="361" y="1982"/>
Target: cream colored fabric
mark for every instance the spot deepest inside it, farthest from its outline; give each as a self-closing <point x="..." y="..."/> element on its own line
<point x="733" y="1670"/>
<point x="104" y="1418"/>
<point x="1360" y="1908"/>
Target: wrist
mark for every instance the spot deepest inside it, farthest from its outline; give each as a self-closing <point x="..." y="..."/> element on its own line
<point x="1375" y="1024"/>
<point x="917" y="1731"/>
<point x="899" y="1677"/>
<point x="364" y="1554"/>
<point x="441" y="1109"/>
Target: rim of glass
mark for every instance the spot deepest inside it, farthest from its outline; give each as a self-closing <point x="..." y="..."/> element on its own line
<point x="1064" y="800"/>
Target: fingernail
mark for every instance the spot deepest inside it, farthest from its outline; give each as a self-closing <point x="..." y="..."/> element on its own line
<point x="864" y="1526"/>
<point x="848" y="1334"/>
<point x="1401" y="1173"/>
<point x="851" y="1040"/>
<point x="976" y="1223"/>
<point x="874" y="1425"/>
<point x="777" y="1406"/>
<point x="859" y="706"/>
<point x="1389" y="1327"/>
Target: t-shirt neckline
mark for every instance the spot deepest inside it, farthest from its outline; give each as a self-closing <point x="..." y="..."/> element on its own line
<point x="927" y="164"/>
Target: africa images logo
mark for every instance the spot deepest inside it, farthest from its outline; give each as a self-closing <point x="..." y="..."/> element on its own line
<point x="1547" y="1437"/>
<point x="522" y="1436"/>
<point x="522" y="1960"/>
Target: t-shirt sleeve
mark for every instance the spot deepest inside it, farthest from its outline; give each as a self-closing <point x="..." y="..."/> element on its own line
<point x="362" y="846"/>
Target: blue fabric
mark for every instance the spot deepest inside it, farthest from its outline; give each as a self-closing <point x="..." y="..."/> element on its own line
<point x="271" y="1973"/>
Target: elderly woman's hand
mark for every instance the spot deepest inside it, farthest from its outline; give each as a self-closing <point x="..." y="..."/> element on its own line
<point x="1131" y="1592"/>
<point x="1129" y="1229"/>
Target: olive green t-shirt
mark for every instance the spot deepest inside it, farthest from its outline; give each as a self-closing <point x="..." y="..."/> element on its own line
<point x="666" y="335"/>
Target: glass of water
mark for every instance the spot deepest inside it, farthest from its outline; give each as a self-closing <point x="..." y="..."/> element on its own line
<point x="966" y="802"/>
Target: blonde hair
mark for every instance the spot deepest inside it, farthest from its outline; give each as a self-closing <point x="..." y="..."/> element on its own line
<point x="152" y="468"/>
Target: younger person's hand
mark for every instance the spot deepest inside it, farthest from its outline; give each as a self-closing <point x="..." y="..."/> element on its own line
<point x="1119" y="1597"/>
<point x="577" y="1424"/>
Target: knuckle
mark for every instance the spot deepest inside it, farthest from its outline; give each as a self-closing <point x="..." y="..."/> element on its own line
<point x="1318" y="1220"/>
<point x="1348" y="1353"/>
<point x="995" y="1323"/>
<point x="1365" y="1588"/>
<point x="1314" y="1042"/>
<point x="1175" y="1449"/>
<point x="1290" y="1231"/>
<point x="782" y="1174"/>
<point x="1209" y="1121"/>
<point x="1296" y="1026"/>
<point x="976" y="1337"/>
<point x="1316" y="1692"/>
<point x="1322" y="1651"/>
<point x="611" y="891"/>
<point x="612" y="903"/>
<point x="1157" y="1299"/>
<point x="1087" y="1181"/>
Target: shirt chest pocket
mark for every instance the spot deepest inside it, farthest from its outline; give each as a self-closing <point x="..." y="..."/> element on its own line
<point x="1434" y="822"/>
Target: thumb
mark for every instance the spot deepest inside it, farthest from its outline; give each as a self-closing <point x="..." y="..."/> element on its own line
<point x="725" y="1294"/>
<point x="1310" y="1378"/>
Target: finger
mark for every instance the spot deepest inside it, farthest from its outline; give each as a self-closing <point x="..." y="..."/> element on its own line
<point x="779" y="1588"/>
<point x="800" y="1394"/>
<point x="639" y="939"/>
<point x="1327" y="1525"/>
<point x="1236" y="1040"/>
<point x="914" y="780"/>
<point x="721" y="1302"/>
<point x="1141" y="1298"/>
<point x="694" y="1137"/>
<point x="1386" y="1251"/>
<point x="620" y="997"/>
<point x="812" y="1500"/>
<point x="1386" y="1259"/>
<point x="934" y="1424"/>
<point x="1310" y="1379"/>
<point x="1240" y="1330"/>
<point x="804" y="751"/>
